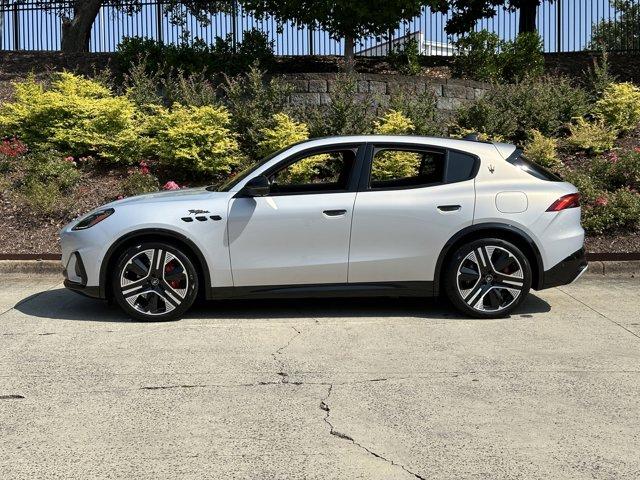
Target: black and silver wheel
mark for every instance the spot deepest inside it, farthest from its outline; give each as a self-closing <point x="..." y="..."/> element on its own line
<point x="154" y="282"/>
<point x="488" y="278"/>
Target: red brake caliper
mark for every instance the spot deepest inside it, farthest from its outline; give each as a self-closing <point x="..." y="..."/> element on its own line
<point x="169" y="267"/>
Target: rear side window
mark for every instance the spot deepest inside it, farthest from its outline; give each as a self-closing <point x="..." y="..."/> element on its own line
<point x="401" y="168"/>
<point x="460" y="166"/>
<point x="517" y="159"/>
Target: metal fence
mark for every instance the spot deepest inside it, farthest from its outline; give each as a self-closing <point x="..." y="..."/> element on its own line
<point x="565" y="25"/>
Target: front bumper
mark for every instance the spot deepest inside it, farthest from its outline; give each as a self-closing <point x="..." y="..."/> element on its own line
<point x="75" y="277"/>
<point x="565" y="272"/>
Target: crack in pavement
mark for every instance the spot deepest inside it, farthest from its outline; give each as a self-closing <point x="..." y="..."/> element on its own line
<point x="284" y="376"/>
<point x="324" y="406"/>
<point x="599" y="313"/>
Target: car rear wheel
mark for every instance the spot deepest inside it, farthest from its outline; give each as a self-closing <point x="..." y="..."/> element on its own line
<point x="487" y="278"/>
<point x="154" y="282"/>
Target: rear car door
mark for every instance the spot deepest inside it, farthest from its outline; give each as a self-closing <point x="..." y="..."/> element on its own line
<point x="299" y="233"/>
<point x="412" y="199"/>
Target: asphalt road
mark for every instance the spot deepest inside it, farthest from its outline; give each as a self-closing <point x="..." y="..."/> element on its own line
<point x="345" y="389"/>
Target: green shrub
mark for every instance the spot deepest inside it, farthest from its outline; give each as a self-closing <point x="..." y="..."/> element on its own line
<point x="421" y="109"/>
<point x="477" y="57"/>
<point x="393" y="123"/>
<point x="483" y="56"/>
<point x="617" y="171"/>
<point x="193" y="140"/>
<point x="139" y="182"/>
<point x="283" y="132"/>
<point x="43" y="198"/>
<point x="74" y="115"/>
<point x="611" y="212"/>
<point x="197" y="57"/>
<point x="620" y="106"/>
<point x="252" y="102"/>
<point x="595" y="136"/>
<point x="349" y="113"/>
<point x="510" y="111"/>
<point x="405" y="58"/>
<point x="523" y="57"/>
<point x="542" y="150"/>
<point x="599" y="76"/>
<point x="51" y="167"/>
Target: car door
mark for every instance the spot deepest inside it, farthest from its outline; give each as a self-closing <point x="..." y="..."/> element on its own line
<point x="412" y="200"/>
<point x="299" y="232"/>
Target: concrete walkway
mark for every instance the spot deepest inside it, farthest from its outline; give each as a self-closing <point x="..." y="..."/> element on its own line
<point x="344" y="389"/>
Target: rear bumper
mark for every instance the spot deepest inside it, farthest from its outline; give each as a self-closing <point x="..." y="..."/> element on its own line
<point x="565" y="272"/>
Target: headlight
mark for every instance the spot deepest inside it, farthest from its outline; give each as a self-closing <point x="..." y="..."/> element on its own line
<point x="92" y="219"/>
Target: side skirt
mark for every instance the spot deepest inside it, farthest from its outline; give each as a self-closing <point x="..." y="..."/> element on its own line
<point x="386" y="289"/>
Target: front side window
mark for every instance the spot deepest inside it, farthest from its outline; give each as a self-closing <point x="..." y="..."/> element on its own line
<point x="398" y="168"/>
<point x="316" y="172"/>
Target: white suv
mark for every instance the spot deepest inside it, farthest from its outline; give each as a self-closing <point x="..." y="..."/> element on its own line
<point x="341" y="216"/>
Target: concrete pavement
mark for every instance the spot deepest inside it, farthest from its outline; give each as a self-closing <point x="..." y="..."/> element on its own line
<point x="326" y="389"/>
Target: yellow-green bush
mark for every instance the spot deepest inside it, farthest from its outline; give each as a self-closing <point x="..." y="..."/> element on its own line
<point x="394" y="164"/>
<point x="595" y="136"/>
<point x="74" y="115"/>
<point x="620" y="106"/>
<point x="282" y="132"/>
<point x="195" y="140"/>
<point x="393" y="122"/>
<point x="542" y="150"/>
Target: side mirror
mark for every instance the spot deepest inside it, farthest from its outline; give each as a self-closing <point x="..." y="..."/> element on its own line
<point x="256" y="187"/>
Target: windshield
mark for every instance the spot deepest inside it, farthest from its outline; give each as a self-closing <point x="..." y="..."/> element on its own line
<point x="238" y="177"/>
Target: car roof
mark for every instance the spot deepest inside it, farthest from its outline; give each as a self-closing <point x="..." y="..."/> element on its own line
<point x="471" y="146"/>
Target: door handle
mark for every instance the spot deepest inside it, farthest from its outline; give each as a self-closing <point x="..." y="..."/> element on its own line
<point x="448" y="208"/>
<point x="334" y="213"/>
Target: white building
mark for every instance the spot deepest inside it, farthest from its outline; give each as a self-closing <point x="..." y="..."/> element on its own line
<point x="425" y="47"/>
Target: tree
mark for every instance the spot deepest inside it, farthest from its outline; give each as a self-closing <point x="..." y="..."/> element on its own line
<point x="342" y="19"/>
<point x="622" y="33"/>
<point x="467" y="12"/>
<point x="78" y="16"/>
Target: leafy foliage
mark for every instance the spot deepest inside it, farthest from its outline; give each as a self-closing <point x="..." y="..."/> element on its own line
<point x="75" y="115"/>
<point x="349" y="113"/>
<point x="510" y="111"/>
<point x="252" y="102"/>
<point x="284" y="132"/>
<point x="619" y="32"/>
<point x="594" y="136"/>
<point x="542" y="150"/>
<point x="139" y="182"/>
<point x="421" y="109"/>
<point x="483" y="56"/>
<point x="197" y="57"/>
<point x="390" y="164"/>
<point x="405" y="57"/>
<point x="620" y="106"/>
<point x="197" y="140"/>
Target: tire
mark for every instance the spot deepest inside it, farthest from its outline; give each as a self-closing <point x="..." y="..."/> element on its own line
<point x="487" y="278"/>
<point x="148" y="292"/>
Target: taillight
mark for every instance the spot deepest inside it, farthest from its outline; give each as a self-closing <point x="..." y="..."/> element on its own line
<point x="566" y="201"/>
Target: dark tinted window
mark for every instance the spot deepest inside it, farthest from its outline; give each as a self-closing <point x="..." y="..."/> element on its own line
<point x="460" y="167"/>
<point x="398" y="168"/>
<point x="519" y="160"/>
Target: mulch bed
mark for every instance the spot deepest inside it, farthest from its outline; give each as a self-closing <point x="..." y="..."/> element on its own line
<point x="25" y="231"/>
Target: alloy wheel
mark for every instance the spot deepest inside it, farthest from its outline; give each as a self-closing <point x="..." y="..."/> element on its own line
<point x="154" y="282"/>
<point x="490" y="278"/>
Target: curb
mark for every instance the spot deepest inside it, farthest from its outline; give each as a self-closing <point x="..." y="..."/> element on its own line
<point x="31" y="266"/>
<point x="597" y="268"/>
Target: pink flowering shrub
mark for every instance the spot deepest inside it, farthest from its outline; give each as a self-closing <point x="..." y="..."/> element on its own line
<point x="12" y="148"/>
<point x="171" y="185"/>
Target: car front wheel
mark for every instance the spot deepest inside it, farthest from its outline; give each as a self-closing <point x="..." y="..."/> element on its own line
<point x="488" y="278"/>
<point x="154" y="282"/>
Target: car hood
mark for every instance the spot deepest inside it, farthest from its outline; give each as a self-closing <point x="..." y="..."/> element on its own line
<point x="188" y="194"/>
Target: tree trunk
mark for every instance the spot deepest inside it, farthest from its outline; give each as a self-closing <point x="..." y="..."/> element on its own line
<point x="349" y="43"/>
<point x="528" y="12"/>
<point x="76" y="31"/>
